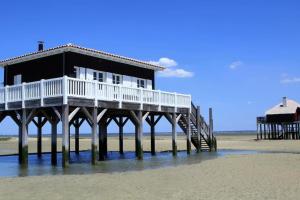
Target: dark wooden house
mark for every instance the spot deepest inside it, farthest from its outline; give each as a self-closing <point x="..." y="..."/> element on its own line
<point x="71" y="84"/>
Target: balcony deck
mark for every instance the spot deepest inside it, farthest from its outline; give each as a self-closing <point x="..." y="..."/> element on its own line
<point x="77" y="92"/>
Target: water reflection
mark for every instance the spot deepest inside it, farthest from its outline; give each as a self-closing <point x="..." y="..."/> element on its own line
<point x="80" y="164"/>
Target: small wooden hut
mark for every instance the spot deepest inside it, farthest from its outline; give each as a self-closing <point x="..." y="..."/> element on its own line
<point x="280" y="122"/>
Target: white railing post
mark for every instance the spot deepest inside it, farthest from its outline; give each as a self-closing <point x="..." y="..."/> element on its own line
<point x="159" y="100"/>
<point x="42" y="92"/>
<point x="65" y="90"/>
<point x="95" y="93"/>
<point x="6" y="97"/>
<point x="23" y="95"/>
<point x="141" y="99"/>
<point x="175" y="101"/>
<point x="120" y="96"/>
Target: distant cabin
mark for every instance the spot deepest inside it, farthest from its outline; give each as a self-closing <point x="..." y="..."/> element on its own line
<point x="280" y="122"/>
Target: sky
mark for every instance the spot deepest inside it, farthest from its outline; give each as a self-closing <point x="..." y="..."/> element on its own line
<point x="239" y="57"/>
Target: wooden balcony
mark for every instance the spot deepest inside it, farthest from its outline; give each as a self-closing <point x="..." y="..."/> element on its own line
<point x="77" y="92"/>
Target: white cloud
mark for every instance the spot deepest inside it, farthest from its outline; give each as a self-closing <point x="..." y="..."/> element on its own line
<point x="287" y="80"/>
<point x="179" y="73"/>
<point x="171" y="68"/>
<point x="165" y="62"/>
<point x="235" y="64"/>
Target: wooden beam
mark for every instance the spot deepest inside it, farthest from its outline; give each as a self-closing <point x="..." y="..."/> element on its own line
<point x="30" y="116"/>
<point x="139" y="135"/>
<point x="2" y="116"/>
<point x="108" y="121"/>
<point x="116" y="121"/>
<point x="87" y="114"/>
<point x="125" y="121"/>
<point x="168" y="117"/>
<point x="49" y="118"/>
<point x="35" y="122"/>
<point x="57" y="113"/>
<point x="73" y="113"/>
<point x="157" y="120"/>
<point x="145" y="115"/>
<point x="101" y="114"/>
<point x="178" y="118"/>
<point x="134" y="117"/>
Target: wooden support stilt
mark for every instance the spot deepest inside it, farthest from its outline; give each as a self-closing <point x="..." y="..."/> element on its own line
<point x="152" y="134"/>
<point x="24" y="139"/>
<point x="138" y="119"/>
<point x="65" y="135"/>
<point x="140" y="135"/>
<point x="54" y="142"/>
<point x="121" y="135"/>
<point x="39" y="136"/>
<point x="152" y="123"/>
<point x="94" y="136"/>
<point x="102" y="135"/>
<point x="76" y="127"/>
<point x="174" y="135"/>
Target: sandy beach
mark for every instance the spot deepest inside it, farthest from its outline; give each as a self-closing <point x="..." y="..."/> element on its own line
<point x="257" y="176"/>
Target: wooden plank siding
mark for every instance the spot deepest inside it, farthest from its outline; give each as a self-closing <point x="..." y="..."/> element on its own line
<point x="63" y="64"/>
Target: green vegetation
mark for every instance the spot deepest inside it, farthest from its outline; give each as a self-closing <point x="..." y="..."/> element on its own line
<point x="5" y="138"/>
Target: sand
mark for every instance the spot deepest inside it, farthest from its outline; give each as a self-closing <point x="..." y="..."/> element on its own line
<point x="256" y="176"/>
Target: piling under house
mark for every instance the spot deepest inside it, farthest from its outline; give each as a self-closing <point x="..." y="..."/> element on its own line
<point x="71" y="84"/>
<point x="280" y="122"/>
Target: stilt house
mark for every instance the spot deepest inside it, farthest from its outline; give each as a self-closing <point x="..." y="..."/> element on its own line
<point x="71" y="84"/>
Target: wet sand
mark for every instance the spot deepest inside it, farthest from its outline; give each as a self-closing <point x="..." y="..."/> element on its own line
<point x="256" y="176"/>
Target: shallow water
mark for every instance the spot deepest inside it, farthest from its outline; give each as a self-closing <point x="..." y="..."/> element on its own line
<point x="80" y="164"/>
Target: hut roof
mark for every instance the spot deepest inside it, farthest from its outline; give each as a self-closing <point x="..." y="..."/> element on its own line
<point x="82" y="50"/>
<point x="290" y="108"/>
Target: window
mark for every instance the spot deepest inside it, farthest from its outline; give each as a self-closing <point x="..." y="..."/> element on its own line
<point x="99" y="76"/>
<point x="117" y="79"/>
<point x="140" y="83"/>
<point x="17" y="79"/>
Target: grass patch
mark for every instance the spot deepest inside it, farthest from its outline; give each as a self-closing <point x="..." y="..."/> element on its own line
<point x="5" y="138"/>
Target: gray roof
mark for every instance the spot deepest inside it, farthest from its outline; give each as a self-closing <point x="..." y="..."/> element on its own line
<point x="291" y="108"/>
<point x="81" y="50"/>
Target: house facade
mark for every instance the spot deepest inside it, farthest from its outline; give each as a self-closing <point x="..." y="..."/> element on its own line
<point x="82" y="63"/>
<point x="71" y="84"/>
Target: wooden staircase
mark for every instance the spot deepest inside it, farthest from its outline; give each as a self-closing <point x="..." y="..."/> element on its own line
<point x="201" y="134"/>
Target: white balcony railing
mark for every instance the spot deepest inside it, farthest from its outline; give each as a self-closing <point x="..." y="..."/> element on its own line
<point x="70" y="87"/>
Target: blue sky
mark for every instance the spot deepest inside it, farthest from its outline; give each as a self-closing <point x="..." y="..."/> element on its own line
<point x="239" y="57"/>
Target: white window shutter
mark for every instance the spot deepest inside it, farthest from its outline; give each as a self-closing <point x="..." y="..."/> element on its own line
<point x="133" y="82"/>
<point x="82" y="73"/>
<point x="127" y="81"/>
<point x="109" y="77"/>
<point x="149" y="84"/>
<point x="89" y="74"/>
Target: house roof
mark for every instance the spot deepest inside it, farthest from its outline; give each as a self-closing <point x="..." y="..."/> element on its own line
<point x="81" y="50"/>
<point x="290" y="108"/>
